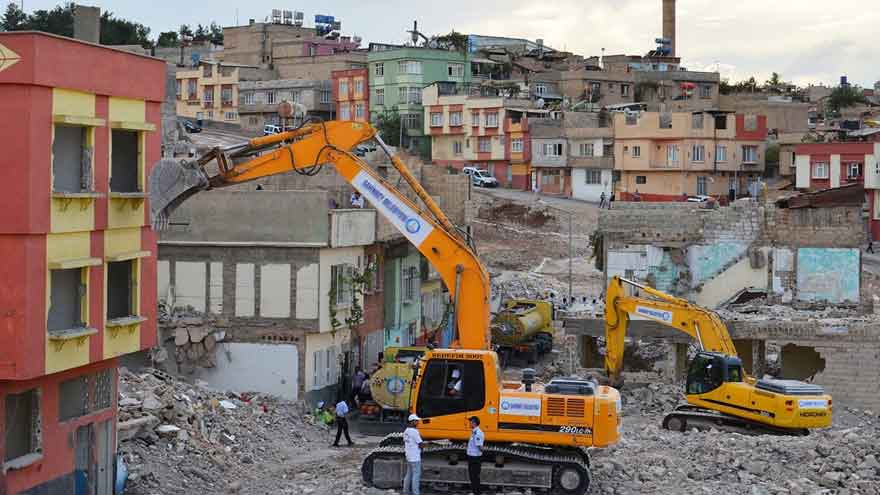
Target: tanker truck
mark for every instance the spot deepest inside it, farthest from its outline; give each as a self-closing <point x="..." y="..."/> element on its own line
<point x="523" y="329"/>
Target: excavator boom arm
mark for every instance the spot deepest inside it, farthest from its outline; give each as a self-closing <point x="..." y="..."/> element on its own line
<point x="315" y="144"/>
<point x="701" y="324"/>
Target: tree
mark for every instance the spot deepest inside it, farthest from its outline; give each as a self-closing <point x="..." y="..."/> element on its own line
<point x="56" y="21"/>
<point x="185" y="32"/>
<point x="845" y="96"/>
<point x="168" y="39"/>
<point x="201" y="33"/>
<point x="116" y="31"/>
<point x="773" y="83"/>
<point x="772" y="153"/>
<point x="388" y="123"/>
<point x="724" y="87"/>
<point x="216" y="33"/>
<point x="14" y="19"/>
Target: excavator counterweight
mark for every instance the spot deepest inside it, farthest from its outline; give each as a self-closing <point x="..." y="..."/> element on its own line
<point x="535" y="436"/>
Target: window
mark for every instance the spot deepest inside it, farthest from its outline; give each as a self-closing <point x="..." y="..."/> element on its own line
<point x="358" y="87"/>
<point x="177" y="88"/>
<point x="750" y="154"/>
<point x="23" y="425"/>
<point x="721" y="122"/>
<point x="207" y="70"/>
<point x="409" y="283"/>
<point x="343" y="88"/>
<point x="436" y="119"/>
<point x="671" y="154"/>
<point x="208" y="94"/>
<point x="586" y="149"/>
<point x="705" y="91"/>
<point x="549" y="177"/>
<point x="636" y="151"/>
<point x="270" y="97"/>
<point x="454" y="119"/>
<point x="475" y="118"/>
<point x="641" y="179"/>
<point x="701" y="186"/>
<point x="230" y="116"/>
<point x="721" y="153"/>
<point x="296" y="96"/>
<point x="820" y="170"/>
<point x="345" y="112"/>
<point x="85" y="394"/>
<point x="253" y="120"/>
<point x="854" y="170"/>
<point x="592" y="176"/>
<point x="516" y="145"/>
<point x="359" y="111"/>
<point x="379" y="69"/>
<point x="435" y="396"/>
<point x="210" y="114"/>
<point x="326" y="96"/>
<point x="409" y="67"/>
<point x="380" y="96"/>
<point x="402" y="92"/>
<point x="552" y="149"/>
<point x="595" y="88"/>
<point x="540" y="89"/>
<point x="374" y="283"/>
<point x="226" y="95"/>
<point x="697" y="121"/>
<point x="192" y="89"/>
<point x="492" y="119"/>
<point x="125" y="161"/>
<point x="455" y="70"/>
<point x="698" y="153"/>
<point x="340" y="283"/>
<point x="485" y="144"/>
<point x="66" y="299"/>
<point x="249" y="98"/>
<point x="411" y="120"/>
<point x="71" y="159"/>
<point x="750" y="122"/>
<point x="200" y="115"/>
<point x="624" y="90"/>
<point x="665" y="120"/>
<point x="414" y="96"/>
<point x="456" y="147"/>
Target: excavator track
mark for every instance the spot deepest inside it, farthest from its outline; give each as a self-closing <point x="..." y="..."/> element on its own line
<point x="686" y="416"/>
<point x="564" y="471"/>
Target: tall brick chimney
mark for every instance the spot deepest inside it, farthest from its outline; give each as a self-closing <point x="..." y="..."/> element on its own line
<point x="87" y="23"/>
<point x="669" y="23"/>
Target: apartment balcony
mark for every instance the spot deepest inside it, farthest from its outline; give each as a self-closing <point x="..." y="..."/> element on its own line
<point x="226" y="103"/>
<point x="603" y="162"/>
<point x="665" y="165"/>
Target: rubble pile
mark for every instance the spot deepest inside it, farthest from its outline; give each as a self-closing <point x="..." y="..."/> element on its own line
<point x="177" y="437"/>
<point x="650" y="398"/>
<point x="649" y="459"/>
<point x="760" y="309"/>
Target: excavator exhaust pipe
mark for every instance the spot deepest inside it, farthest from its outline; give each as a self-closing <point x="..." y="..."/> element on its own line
<point x="171" y="183"/>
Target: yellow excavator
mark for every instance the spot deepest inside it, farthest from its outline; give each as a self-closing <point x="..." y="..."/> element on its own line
<point x="536" y="437"/>
<point x="718" y="391"/>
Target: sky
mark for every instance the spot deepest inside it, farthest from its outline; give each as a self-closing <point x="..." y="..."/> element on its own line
<point x="805" y="41"/>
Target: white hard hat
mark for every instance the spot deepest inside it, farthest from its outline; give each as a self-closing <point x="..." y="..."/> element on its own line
<point x="456" y="373"/>
<point x="413" y="417"/>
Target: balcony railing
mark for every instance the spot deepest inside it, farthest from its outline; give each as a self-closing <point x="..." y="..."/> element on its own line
<point x="665" y="164"/>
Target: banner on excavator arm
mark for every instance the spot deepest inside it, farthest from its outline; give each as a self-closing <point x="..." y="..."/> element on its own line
<point x="410" y="223"/>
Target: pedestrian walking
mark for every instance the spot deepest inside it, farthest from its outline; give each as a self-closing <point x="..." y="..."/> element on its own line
<point x="870" y="247"/>
<point x="611" y="201"/>
<point x="412" y="445"/>
<point x="602" y="200"/>
<point x="475" y="454"/>
<point x="342" y="423"/>
<point x="357" y="380"/>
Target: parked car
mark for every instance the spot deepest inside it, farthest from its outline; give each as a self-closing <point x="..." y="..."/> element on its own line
<point x="480" y="178"/>
<point x="270" y="129"/>
<point x="698" y="198"/>
<point x="191" y="126"/>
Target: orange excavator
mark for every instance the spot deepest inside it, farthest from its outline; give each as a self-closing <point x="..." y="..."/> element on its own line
<point x="536" y="436"/>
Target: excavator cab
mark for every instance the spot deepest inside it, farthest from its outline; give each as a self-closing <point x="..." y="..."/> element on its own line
<point x="710" y="370"/>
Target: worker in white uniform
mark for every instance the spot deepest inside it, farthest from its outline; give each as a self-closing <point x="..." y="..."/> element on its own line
<point x="412" y="443"/>
<point x="454" y="387"/>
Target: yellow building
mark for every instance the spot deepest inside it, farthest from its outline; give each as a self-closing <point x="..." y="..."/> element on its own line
<point x="209" y="91"/>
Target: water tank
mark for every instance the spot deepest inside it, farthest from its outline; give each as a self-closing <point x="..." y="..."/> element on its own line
<point x="520" y="321"/>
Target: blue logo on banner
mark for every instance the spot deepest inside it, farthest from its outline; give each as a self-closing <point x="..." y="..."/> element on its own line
<point x="413" y="226"/>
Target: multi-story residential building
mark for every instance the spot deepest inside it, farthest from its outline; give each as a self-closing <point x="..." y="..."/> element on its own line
<point x="665" y="155"/>
<point x="351" y="94"/>
<point x="402" y="289"/>
<point x="598" y="87"/>
<point x="397" y="76"/>
<point x="282" y="273"/>
<point x="290" y="64"/>
<point x="210" y="91"/>
<point x="434" y="304"/>
<point x="253" y="44"/>
<point x="486" y="132"/>
<point x="827" y="165"/>
<point x="573" y="155"/>
<point x="78" y="268"/>
<point x="258" y="100"/>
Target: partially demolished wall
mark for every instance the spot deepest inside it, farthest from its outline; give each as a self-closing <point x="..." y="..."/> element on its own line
<point x="801" y="256"/>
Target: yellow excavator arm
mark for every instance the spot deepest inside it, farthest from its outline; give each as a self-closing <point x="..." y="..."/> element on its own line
<point x="319" y="143"/>
<point x="703" y="325"/>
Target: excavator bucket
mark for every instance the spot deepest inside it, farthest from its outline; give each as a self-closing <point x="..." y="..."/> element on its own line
<point x="171" y="183"/>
